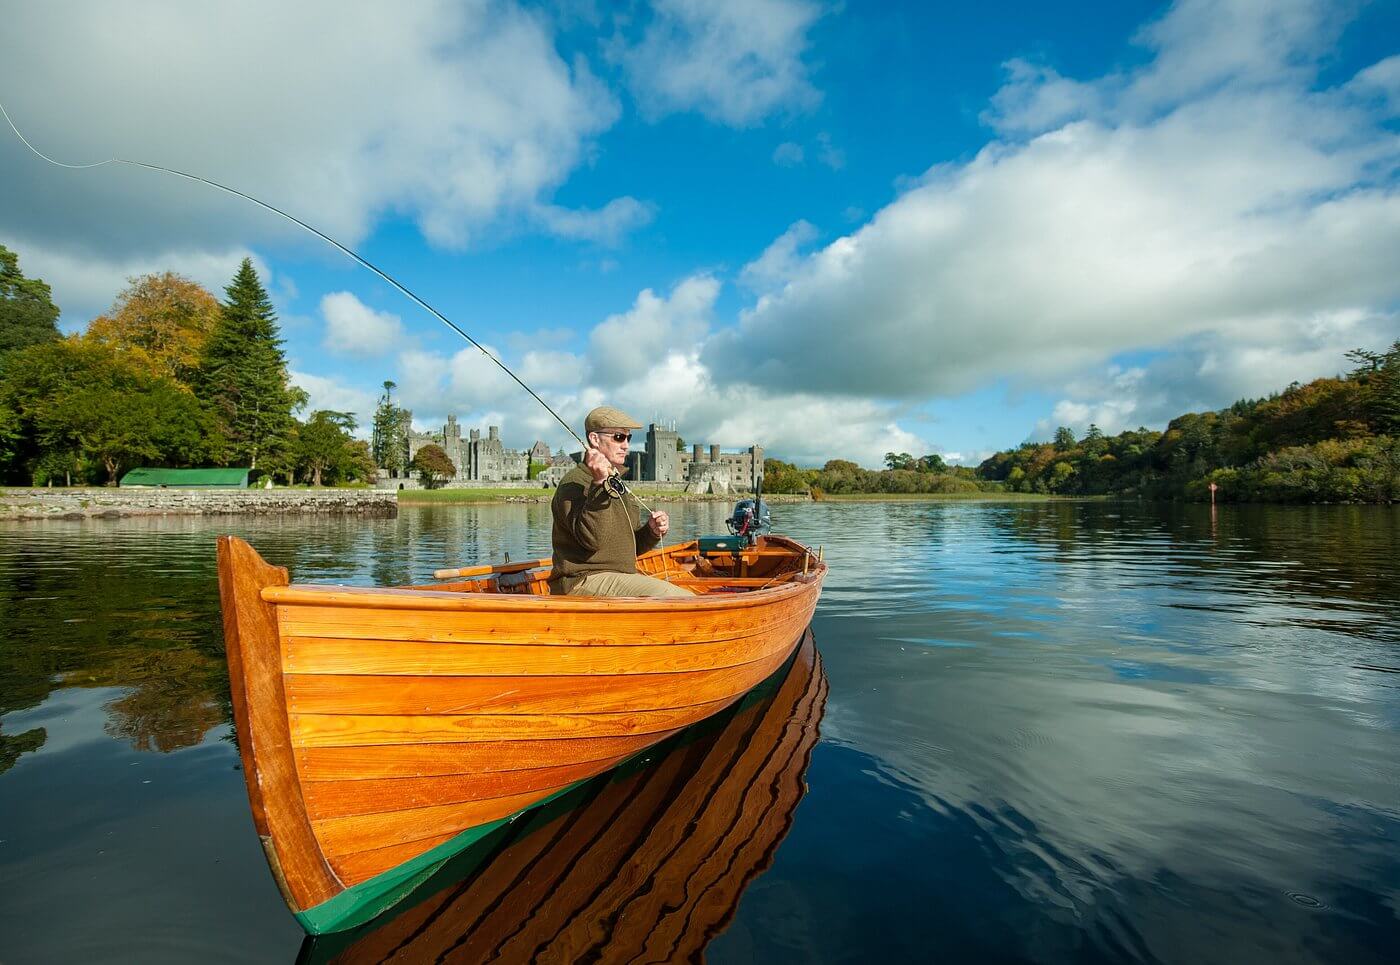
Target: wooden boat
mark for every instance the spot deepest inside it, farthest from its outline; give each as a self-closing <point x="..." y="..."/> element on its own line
<point x="645" y="863"/>
<point x="384" y="730"/>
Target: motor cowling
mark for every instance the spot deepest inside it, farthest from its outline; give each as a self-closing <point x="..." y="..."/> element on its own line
<point x="750" y="520"/>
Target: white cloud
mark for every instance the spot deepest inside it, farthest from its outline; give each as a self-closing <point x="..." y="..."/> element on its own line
<point x="608" y="225"/>
<point x="828" y="153"/>
<point x="625" y="345"/>
<point x="735" y="61"/>
<point x="353" y="328"/>
<point x="327" y="393"/>
<point x="788" y="154"/>
<point x="84" y="287"/>
<point x="461" y="116"/>
<point x="780" y="260"/>
<point x="1215" y="370"/>
<point x="1250" y="203"/>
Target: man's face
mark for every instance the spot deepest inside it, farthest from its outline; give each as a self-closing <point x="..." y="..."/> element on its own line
<point x="607" y="442"/>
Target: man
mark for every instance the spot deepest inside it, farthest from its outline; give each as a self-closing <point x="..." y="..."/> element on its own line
<point x="598" y="530"/>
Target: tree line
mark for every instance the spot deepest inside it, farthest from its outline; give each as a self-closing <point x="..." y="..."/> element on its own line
<point x="168" y="376"/>
<point x="1332" y="440"/>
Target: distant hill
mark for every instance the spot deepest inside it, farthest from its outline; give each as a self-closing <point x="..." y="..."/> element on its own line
<point x="1332" y="440"/>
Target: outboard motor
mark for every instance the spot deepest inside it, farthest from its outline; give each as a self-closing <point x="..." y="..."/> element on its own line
<point x="750" y="520"/>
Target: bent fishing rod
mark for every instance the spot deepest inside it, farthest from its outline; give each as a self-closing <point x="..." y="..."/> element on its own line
<point x="615" y="482"/>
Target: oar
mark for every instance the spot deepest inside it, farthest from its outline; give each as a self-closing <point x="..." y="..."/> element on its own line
<point x="488" y="569"/>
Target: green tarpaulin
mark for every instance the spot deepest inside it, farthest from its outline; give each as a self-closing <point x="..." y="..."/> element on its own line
<point x="188" y="478"/>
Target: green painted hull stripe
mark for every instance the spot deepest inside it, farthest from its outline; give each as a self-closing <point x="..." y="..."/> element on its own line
<point x="363" y="902"/>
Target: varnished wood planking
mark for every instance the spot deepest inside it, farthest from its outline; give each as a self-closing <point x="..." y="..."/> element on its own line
<point x="317" y="730"/>
<point x="542" y="628"/>
<point x="365" y="832"/>
<point x="393" y="658"/>
<point x="393" y="623"/>
<point x="335" y="799"/>
<point x="551" y="894"/>
<point x="363" y="865"/>
<point x="376" y="761"/>
<point x="340" y="694"/>
<point x="260" y="720"/>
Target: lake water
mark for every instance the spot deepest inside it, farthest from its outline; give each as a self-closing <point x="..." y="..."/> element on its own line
<point x="1052" y="732"/>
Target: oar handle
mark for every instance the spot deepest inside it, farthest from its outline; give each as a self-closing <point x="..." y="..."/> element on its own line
<point x="488" y="569"/>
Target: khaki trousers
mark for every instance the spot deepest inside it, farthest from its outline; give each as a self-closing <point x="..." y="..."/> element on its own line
<point x="626" y="584"/>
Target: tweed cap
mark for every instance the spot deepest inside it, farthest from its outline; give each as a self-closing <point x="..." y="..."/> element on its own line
<point x="606" y="417"/>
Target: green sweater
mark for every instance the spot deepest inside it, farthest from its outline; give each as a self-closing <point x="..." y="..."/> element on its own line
<point x="594" y="532"/>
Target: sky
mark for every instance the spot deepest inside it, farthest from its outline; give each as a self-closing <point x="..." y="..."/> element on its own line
<point x="834" y="229"/>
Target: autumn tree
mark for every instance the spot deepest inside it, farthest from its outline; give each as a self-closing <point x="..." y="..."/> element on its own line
<point x="161" y="323"/>
<point x="28" y="315"/>
<point x="432" y="466"/>
<point x="242" y="375"/>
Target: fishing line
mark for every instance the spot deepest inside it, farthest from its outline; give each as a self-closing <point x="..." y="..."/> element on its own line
<point x="358" y="258"/>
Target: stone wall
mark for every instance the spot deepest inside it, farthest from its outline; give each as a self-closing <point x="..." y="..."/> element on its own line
<point x="107" y="503"/>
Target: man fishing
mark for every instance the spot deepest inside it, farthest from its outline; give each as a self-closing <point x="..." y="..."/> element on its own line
<point x="597" y="535"/>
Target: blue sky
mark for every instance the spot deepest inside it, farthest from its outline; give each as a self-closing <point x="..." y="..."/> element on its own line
<point x="834" y="229"/>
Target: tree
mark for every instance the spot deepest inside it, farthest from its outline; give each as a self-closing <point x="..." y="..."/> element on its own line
<point x="75" y="401"/>
<point x="930" y="463"/>
<point x="432" y="466"/>
<point x="389" y="437"/>
<point x="161" y="323"/>
<point x="898" y="460"/>
<point x="1064" y="438"/>
<point x="1379" y="372"/>
<point x="243" y="374"/>
<point x="1094" y="443"/>
<point x="28" y="315"/>
<point x="323" y="444"/>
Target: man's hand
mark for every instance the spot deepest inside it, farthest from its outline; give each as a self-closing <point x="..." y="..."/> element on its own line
<point x="660" y="524"/>
<point x="597" y="463"/>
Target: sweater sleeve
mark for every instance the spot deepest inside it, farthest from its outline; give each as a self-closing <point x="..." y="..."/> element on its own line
<point x="585" y="510"/>
<point x="646" y="539"/>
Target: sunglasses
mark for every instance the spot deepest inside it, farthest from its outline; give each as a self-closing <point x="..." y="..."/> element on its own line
<point x="617" y="436"/>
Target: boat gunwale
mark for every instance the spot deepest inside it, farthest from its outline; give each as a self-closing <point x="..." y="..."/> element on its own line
<point x="394" y="598"/>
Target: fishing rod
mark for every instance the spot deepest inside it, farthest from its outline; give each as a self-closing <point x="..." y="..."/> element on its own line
<point x="614" y="482"/>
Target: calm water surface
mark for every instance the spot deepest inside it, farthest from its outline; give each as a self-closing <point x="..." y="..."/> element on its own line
<point x="1053" y="732"/>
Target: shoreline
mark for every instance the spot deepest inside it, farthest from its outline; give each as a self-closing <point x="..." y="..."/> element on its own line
<point x="19" y="503"/>
<point x="115" y="503"/>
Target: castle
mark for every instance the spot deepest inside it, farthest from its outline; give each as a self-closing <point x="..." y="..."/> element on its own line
<point x="702" y="469"/>
<point x="477" y="460"/>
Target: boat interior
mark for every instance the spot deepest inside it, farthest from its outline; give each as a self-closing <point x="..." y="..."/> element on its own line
<point x="694" y="564"/>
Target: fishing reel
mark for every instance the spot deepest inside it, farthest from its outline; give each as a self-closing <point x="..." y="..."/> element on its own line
<point x="750" y="520"/>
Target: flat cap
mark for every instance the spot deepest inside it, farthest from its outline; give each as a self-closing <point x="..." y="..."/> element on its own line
<point x="606" y="417"/>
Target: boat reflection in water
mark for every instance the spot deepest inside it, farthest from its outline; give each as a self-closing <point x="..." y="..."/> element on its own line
<point x="647" y="862"/>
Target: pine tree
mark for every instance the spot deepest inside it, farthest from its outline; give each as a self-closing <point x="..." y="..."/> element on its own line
<point x="243" y="374"/>
<point x="28" y="315"/>
<point x="389" y="440"/>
